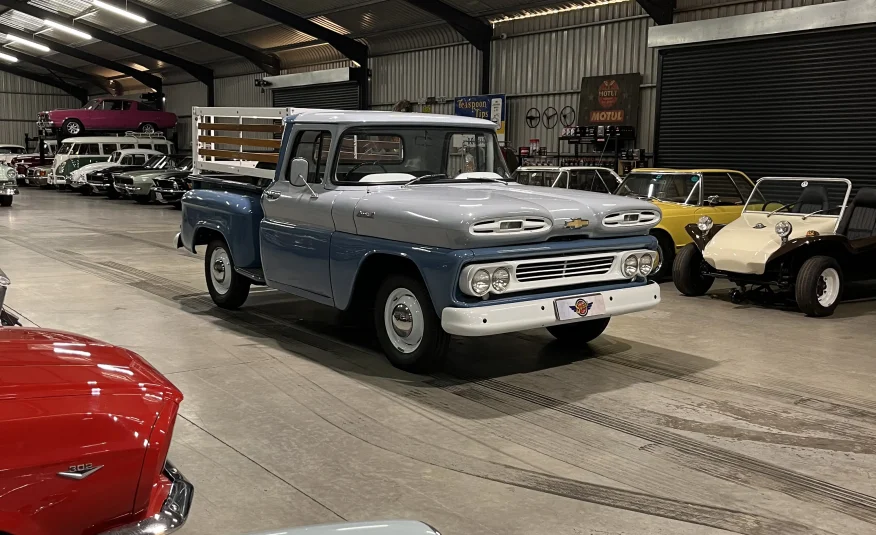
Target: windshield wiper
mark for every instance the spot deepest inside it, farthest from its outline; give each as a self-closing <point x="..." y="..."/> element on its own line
<point x="813" y="213"/>
<point x="781" y="208"/>
<point x="424" y="177"/>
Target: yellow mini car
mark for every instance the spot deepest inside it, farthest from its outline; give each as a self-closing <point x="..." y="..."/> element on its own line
<point x="685" y="195"/>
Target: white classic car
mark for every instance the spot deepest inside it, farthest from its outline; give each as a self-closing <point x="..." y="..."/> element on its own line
<point x="8" y="184"/>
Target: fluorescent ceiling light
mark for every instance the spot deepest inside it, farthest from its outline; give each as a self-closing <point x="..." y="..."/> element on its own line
<point x="541" y="12"/>
<point x="7" y="57"/>
<point x="67" y="29"/>
<point x="119" y="11"/>
<point x="25" y="42"/>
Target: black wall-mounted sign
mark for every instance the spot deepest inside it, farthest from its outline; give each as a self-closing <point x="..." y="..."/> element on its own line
<point x="610" y="100"/>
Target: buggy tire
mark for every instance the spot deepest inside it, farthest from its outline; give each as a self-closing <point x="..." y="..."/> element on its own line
<point x="687" y="272"/>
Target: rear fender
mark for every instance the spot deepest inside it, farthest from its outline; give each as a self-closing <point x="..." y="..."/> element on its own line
<point x="234" y="216"/>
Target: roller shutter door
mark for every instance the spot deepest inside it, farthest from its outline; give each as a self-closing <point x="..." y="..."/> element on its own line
<point x="802" y="105"/>
<point x="336" y="96"/>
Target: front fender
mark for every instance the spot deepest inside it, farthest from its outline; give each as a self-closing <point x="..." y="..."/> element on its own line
<point x="700" y="238"/>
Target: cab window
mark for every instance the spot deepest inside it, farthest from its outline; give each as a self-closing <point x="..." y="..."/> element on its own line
<point x="138" y="159"/>
<point x="108" y="148"/>
<point x="87" y="149"/>
<point x="719" y="190"/>
<point x="147" y="146"/>
<point x="313" y="146"/>
<point x="588" y="180"/>
<point x="161" y="147"/>
<point x="127" y="160"/>
<point x="124" y="146"/>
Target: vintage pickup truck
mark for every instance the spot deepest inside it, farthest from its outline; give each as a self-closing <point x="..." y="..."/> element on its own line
<point x="409" y="218"/>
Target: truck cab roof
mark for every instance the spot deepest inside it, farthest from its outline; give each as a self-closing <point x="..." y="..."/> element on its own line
<point x="384" y="117"/>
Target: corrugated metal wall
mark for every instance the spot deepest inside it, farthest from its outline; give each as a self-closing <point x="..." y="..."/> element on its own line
<point x="537" y="62"/>
<point x="20" y="102"/>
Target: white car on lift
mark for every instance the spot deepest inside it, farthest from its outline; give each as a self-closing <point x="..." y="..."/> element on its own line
<point x="79" y="178"/>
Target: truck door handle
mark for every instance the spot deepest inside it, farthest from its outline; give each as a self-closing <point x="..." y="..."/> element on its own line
<point x="272" y="195"/>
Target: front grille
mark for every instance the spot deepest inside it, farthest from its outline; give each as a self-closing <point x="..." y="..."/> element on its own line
<point x="164" y="183"/>
<point x="125" y="181"/>
<point x="561" y="269"/>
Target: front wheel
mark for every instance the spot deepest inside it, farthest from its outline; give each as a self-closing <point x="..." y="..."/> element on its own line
<point x="819" y="286"/>
<point x="111" y="193"/>
<point x="148" y="128"/>
<point x="665" y="256"/>
<point x="687" y="272"/>
<point x="5" y="200"/>
<point x="72" y="127"/>
<point x="580" y="332"/>
<point x="228" y="288"/>
<point x="407" y="326"/>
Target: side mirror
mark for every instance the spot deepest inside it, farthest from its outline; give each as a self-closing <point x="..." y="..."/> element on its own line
<point x="298" y="171"/>
<point x="713" y="200"/>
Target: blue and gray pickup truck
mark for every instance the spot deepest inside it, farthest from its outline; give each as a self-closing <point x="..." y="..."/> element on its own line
<point x="412" y="219"/>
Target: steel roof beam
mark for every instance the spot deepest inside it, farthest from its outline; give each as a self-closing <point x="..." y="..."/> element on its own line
<point x="110" y="86"/>
<point x="149" y="80"/>
<point x="79" y="92"/>
<point x="200" y="72"/>
<point x="659" y="10"/>
<point x="350" y="48"/>
<point x="269" y="63"/>
<point x="476" y="31"/>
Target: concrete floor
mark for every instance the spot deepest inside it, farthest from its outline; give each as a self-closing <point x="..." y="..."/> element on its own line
<point x="698" y="417"/>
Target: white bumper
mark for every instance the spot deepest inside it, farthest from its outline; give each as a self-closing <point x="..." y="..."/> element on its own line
<point x="513" y="317"/>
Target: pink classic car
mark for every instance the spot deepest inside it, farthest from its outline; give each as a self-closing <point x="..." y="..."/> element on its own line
<point x="105" y="114"/>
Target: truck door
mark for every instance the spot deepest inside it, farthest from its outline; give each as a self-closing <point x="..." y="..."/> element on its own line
<point x="297" y="227"/>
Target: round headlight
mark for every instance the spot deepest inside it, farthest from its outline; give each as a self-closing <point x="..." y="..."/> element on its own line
<point x="631" y="266"/>
<point x="646" y="264"/>
<point x="783" y="229"/>
<point x="480" y="282"/>
<point x="10" y="173"/>
<point x="501" y="279"/>
<point x="705" y="223"/>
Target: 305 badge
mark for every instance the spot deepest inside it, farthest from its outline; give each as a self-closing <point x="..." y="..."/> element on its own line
<point x="574" y="308"/>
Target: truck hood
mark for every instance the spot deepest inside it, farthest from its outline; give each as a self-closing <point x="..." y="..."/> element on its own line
<point x="742" y="247"/>
<point x="38" y="363"/>
<point x="442" y="215"/>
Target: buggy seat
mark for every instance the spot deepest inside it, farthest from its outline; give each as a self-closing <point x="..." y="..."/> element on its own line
<point x="859" y="220"/>
<point x="812" y="199"/>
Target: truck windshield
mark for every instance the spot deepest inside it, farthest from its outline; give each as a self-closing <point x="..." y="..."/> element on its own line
<point x="391" y="154"/>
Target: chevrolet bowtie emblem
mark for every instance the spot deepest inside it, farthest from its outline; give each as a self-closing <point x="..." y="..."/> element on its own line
<point x="577" y="223"/>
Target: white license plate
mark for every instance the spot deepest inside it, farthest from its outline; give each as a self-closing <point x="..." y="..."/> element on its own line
<point x="575" y="308"/>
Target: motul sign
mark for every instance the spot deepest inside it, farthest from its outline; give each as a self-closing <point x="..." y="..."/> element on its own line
<point x="610" y="100"/>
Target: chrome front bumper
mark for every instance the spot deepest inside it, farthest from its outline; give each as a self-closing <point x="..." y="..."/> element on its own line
<point x="136" y="190"/>
<point x="166" y="195"/>
<point x="174" y="511"/>
<point x="522" y="315"/>
<point x="6" y="190"/>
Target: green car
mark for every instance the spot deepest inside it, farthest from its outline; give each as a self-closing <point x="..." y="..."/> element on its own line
<point x="138" y="184"/>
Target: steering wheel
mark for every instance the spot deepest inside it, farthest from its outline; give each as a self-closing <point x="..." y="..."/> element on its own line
<point x="357" y="166"/>
<point x="782" y="206"/>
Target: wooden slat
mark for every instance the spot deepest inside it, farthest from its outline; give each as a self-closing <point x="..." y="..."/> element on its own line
<point x="245" y="141"/>
<point x="235" y="155"/>
<point x="228" y="127"/>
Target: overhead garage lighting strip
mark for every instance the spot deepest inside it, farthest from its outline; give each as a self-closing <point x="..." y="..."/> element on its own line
<point x="25" y="42"/>
<point x="119" y="11"/>
<point x="7" y="57"/>
<point x="66" y="29"/>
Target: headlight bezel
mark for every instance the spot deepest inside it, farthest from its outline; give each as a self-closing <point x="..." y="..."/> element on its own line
<point x="494" y="280"/>
<point x="783" y="229"/>
<point x="11" y="174"/>
<point x="467" y="276"/>
<point x="488" y="282"/>
<point x="651" y="261"/>
<point x="625" y="264"/>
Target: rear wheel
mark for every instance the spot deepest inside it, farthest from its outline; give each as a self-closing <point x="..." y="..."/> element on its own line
<point x="228" y="288"/>
<point x="580" y="332"/>
<point x="5" y="200"/>
<point x="687" y="272"/>
<point x="148" y="128"/>
<point x="112" y="193"/>
<point x="408" y="328"/>
<point x="819" y="286"/>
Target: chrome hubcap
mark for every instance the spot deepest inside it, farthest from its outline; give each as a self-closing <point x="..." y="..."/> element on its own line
<point x="219" y="265"/>
<point x="828" y="287"/>
<point x="404" y="320"/>
<point x="149" y="129"/>
<point x="73" y="128"/>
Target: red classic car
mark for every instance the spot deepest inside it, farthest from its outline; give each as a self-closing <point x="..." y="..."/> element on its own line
<point x="84" y="431"/>
<point x="106" y="114"/>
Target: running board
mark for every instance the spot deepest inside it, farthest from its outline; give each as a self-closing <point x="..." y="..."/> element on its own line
<point x="255" y="275"/>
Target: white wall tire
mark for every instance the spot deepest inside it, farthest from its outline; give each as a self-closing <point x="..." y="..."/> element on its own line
<point x="408" y="329"/>
<point x="819" y="286"/>
<point x="227" y="288"/>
